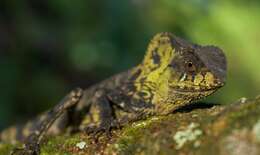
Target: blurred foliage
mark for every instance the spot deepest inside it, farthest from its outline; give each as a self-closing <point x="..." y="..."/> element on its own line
<point x="47" y="47"/>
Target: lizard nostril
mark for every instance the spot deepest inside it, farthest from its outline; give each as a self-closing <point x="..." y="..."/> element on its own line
<point x="219" y="82"/>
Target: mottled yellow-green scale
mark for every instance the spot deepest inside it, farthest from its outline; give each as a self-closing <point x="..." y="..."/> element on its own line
<point x="153" y="76"/>
<point x="160" y="45"/>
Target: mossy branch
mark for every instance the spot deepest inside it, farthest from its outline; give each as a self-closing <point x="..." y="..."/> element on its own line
<point x="196" y="129"/>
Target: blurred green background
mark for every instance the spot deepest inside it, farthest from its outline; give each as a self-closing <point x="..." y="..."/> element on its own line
<point x="48" y="47"/>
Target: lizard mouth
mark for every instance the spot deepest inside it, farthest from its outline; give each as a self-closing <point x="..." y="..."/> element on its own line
<point x="193" y="90"/>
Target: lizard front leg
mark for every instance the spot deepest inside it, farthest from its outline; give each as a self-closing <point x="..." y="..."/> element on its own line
<point x="102" y="115"/>
<point x="32" y="143"/>
<point x="105" y="112"/>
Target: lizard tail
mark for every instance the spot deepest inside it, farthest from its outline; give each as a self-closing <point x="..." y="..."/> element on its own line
<point x="20" y="132"/>
<point x="52" y="122"/>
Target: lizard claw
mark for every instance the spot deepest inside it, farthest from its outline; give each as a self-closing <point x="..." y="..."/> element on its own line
<point x="27" y="150"/>
<point x="31" y="147"/>
<point x="105" y="127"/>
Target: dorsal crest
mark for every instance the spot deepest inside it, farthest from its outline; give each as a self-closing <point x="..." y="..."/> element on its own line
<point x="160" y="52"/>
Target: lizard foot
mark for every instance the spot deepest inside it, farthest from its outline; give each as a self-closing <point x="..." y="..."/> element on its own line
<point x="30" y="148"/>
<point x="104" y="127"/>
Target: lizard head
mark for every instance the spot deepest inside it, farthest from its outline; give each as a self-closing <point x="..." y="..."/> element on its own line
<point x="182" y="71"/>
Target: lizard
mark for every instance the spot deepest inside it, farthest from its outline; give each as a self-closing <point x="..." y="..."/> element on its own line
<point x="174" y="73"/>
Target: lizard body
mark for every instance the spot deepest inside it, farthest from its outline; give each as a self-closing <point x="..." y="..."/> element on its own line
<point x="173" y="73"/>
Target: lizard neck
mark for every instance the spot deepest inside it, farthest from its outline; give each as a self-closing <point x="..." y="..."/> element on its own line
<point x="153" y="85"/>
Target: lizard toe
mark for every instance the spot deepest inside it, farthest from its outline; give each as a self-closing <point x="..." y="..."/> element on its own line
<point x="105" y="127"/>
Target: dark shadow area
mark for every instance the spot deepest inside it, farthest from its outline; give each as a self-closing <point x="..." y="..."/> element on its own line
<point x="194" y="106"/>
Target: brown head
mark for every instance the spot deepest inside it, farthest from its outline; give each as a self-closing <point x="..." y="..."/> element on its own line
<point x="183" y="72"/>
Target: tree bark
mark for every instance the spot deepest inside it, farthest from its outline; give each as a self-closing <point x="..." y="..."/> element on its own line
<point x="198" y="129"/>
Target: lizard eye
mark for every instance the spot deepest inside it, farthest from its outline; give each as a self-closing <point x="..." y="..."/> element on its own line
<point x="190" y="66"/>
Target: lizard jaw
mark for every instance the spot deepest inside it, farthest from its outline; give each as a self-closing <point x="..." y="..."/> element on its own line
<point x="192" y="90"/>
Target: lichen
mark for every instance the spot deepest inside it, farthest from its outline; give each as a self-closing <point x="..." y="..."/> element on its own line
<point x="81" y="145"/>
<point x="190" y="134"/>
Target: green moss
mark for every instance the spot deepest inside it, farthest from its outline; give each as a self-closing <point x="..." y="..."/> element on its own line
<point x="129" y="141"/>
<point x="198" y="131"/>
<point x="5" y="149"/>
<point x="62" y="145"/>
<point x="56" y="146"/>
